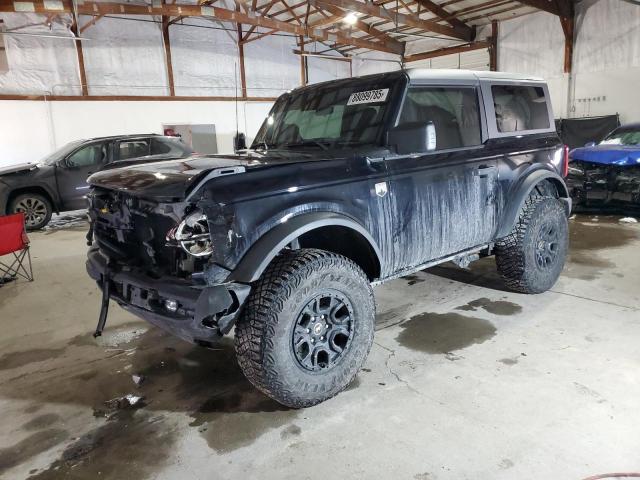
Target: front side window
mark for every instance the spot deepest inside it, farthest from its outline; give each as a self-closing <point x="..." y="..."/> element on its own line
<point x="87" y="156"/>
<point x="453" y="111"/>
<point x="331" y="116"/>
<point x="520" y="108"/>
<point x="133" y="149"/>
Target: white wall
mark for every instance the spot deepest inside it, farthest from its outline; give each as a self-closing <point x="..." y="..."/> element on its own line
<point x="31" y="129"/>
<point x="606" y="62"/>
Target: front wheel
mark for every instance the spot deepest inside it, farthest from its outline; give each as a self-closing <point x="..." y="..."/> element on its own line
<point x="306" y="328"/>
<point x="36" y="208"/>
<point x="532" y="256"/>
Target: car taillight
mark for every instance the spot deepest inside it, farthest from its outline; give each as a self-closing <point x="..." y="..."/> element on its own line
<point x="565" y="161"/>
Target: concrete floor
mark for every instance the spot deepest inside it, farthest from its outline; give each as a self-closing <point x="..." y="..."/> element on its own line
<point x="465" y="381"/>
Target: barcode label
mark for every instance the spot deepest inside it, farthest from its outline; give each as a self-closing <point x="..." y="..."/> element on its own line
<point x="370" y="96"/>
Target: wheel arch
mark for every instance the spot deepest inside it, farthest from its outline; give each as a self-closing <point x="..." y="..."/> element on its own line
<point x="325" y="230"/>
<point x="40" y="190"/>
<point x="524" y="189"/>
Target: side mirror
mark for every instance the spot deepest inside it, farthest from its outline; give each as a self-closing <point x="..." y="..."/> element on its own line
<point x="590" y="144"/>
<point x="416" y="137"/>
<point x="239" y="142"/>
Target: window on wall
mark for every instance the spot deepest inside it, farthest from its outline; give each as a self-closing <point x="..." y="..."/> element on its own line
<point x="520" y="108"/>
<point x="454" y="113"/>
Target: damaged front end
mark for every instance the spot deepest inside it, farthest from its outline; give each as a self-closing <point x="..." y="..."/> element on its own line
<point x="604" y="187"/>
<point x="158" y="261"/>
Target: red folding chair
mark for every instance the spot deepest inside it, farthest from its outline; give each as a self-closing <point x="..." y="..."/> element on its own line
<point x="14" y="241"/>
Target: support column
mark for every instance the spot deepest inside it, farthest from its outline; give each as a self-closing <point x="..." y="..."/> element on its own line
<point x="79" y="52"/>
<point x="493" y="47"/>
<point x="167" y="54"/>
<point x="303" y="63"/>
<point x="243" y="78"/>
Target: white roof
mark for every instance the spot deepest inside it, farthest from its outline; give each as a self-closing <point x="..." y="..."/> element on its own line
<point x="443" y="74"/>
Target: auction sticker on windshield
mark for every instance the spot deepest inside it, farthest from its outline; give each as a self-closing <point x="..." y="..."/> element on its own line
<point x="370" y="96"/>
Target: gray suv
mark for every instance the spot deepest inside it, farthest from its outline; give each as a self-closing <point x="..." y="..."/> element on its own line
<point x="57" y="183"/>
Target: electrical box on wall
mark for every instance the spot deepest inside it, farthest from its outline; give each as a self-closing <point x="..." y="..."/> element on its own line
<point x="201" y="137"/>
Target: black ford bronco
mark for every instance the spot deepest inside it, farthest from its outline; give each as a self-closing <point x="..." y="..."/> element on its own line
<point x="347" y="184"/>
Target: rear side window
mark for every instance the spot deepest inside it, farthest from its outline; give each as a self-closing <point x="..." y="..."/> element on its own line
<point x="168" y="147"/>
<point x="133" y="149"/>
<point x="454" y="113"/>
<point x="520" y="108"/>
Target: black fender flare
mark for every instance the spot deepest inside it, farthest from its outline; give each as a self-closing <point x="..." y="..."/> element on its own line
<point x="265" y="249"/>
<point x="34" y="187"/>
<point x="512" y="210"/>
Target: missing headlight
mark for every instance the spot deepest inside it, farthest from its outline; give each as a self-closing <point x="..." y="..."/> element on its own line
<point x="193" y="235"/>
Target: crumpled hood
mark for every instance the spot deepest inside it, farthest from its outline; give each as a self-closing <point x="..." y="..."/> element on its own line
<point x="619" y="155"/>
<point x="173" y="179"/>
<point x="17" y="168"/>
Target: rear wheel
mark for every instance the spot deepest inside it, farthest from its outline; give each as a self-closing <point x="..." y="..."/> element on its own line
<point x="532" y="256"/>
<point x="36" y="208"/>
<point x="307" y="327"/>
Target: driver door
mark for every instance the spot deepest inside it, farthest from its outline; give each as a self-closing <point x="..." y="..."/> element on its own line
<point x="73" y="171"/>
<point x="444" y="201"/>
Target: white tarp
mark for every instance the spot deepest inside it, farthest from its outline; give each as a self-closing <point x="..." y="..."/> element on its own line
<point x="125" y="57"/>
<point x="36" y="64"/>
<point x="204" y="58"/>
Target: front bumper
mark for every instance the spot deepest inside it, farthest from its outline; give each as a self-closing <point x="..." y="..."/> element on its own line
<point x="204" y="313"/>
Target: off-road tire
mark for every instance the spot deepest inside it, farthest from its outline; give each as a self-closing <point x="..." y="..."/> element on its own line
<point x="20" y="201"/>
<point x="263" y="336"/>
<point x="516" y="253"/>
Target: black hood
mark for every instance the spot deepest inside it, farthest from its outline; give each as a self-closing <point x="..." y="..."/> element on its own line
<point x="175" y="178"/>
<point x="20" y="167"/>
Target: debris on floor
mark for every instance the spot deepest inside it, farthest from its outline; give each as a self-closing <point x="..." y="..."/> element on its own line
<point x="77" y="218"/>
<point x="628" y="220"/>
<point x="137" y="379"/>
<point x="126" y="402"/>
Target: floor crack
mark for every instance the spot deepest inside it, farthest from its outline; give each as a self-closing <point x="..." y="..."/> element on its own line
<point x="391" y="354"/>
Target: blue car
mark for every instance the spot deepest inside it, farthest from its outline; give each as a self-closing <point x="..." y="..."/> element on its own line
<point x="606" y="176"/>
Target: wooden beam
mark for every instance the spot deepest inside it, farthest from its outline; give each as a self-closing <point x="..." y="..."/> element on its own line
<point x="258" y="36"/>
<point x="80" y="54"/>
<point x="493" y="47"/>
<point x="443" y="14"/>
<point x="567" y="21"/>
<point x="365" y="27"/>
<point x="175" y="10"/>
<point x="243" y="78"/>
<point x="399" y="18"/>
<point x="318" y="55"/>
<point x="303" y="64"/>
<point x="132" y="98"/>
<point x="440" y="52"/>
<point x="90" y="23"/>
<point x="548" y="6"/>
<point x="167" y="54"/>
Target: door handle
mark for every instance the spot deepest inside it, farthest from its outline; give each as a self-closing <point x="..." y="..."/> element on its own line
<point x="484" y="170"/>
<point x="375" y="163"/>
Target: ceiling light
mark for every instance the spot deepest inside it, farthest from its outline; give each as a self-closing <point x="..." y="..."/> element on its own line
<point x="350" y="18"/>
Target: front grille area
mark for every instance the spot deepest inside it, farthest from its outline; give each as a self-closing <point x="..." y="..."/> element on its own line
<point x="132" y="231"/>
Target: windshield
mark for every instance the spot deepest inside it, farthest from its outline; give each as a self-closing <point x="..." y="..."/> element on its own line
<point x="623" y="137"/>
<point x="329" y="116"/>
<point x="61" y="152"/>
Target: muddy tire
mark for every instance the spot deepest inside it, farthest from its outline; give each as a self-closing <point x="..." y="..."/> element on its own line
<point x="532" y="256"/>
<point x="306" y="328"/>
<point x="36" y="208"/>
